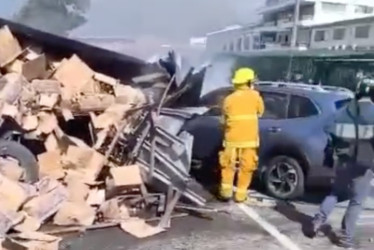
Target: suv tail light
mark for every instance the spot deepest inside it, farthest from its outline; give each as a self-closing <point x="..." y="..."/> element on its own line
<point x="341" y="103"/>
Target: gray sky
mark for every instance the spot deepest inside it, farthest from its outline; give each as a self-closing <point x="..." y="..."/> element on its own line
<point x="173" y="20"/>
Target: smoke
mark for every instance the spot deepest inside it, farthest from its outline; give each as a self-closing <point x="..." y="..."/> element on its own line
<point x="174" y="20"/>
<point x="150" y="23"/>
<point x="169" y="20"/>
<point x="219" y="73"/>
<point x="55" y="16"/>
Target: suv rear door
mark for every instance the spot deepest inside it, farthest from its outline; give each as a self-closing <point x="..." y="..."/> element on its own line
<point x="273" y="119"/>
<point x="302" y="116"/>
<point x="304" y="129"/>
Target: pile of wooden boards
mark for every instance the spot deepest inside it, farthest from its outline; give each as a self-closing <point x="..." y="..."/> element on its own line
<point x="78" y="185"/>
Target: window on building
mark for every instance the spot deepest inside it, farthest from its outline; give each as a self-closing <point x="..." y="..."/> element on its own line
<point x="285" y="16"/>
<point x="256" y="42"/>
<point x="224" y="47"/>
<point x="301" y="107"/>
<point x="307" y="10"/>
<point x="231" y="46"/>
<point x="320" y="36"/>
<point x="361" y="9"/>
<point x="247" y="43"/>
<point x="286" y="38"/>
<point x="339" y="34"/>
<point x="239" y="44"/>
<point x="333" y="7"/>
<point x="362" y="31"/>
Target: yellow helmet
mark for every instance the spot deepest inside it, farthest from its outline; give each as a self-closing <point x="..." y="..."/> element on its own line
<point x="243" y="76"/>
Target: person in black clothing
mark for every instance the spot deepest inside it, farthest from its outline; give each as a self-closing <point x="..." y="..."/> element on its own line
<point x="351" y="138"/>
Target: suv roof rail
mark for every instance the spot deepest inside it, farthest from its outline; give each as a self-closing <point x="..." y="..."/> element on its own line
<point x="335" y="88"/>
<point x="320" y="88"/>
<point x="291" y="85"/>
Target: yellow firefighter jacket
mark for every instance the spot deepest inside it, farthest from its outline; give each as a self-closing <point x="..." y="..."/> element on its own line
<point x="241" y="111"/>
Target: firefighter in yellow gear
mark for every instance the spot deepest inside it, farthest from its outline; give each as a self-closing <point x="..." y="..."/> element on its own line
<point x="241" y="111"/>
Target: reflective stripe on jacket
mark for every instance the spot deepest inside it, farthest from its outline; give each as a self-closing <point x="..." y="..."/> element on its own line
<point x="352" y="133"/>
<point x="347" y="131"/>
<point x="241" y="110"/>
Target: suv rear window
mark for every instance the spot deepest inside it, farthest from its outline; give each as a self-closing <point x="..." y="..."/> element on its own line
<point x="341" y="103"/>
<point x="275" y="105"/>
<point x="301" y="107"/>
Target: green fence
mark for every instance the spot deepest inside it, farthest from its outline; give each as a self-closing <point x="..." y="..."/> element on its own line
<point x="337" y="68"/>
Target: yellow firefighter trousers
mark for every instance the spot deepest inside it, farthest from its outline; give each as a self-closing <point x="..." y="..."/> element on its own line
<point x="248" y="160"/>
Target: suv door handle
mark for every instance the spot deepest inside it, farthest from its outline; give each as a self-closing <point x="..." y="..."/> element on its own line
<point x="274" y="129"/>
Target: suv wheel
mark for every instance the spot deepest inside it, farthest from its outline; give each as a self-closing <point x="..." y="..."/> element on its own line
<point x="284" y="178"/>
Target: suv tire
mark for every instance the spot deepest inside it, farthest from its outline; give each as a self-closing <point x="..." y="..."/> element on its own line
<point x="284" y="178"/>
<point x="24" y="156"/>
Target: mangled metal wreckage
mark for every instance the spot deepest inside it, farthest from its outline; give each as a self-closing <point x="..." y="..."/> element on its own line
<point x="154" y="140"/>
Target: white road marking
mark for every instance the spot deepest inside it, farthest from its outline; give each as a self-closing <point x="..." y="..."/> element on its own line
<point x="366" y="223"/>
<point x="283" y="239"/>
<point x="367" y="216"/>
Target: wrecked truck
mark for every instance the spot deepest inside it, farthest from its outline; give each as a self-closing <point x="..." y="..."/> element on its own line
<point x="83" y="113"/>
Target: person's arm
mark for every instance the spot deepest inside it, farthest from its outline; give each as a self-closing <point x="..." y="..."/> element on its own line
<point x="260" y="105"/>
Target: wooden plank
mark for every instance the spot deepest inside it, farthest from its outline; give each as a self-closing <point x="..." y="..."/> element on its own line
<point x="75" y="213"/>
<point x="45" y="205"/>
<point x="35" y="68"/>
<point x="50" y="164"/>
<point x="12" y="194"/>
<point x="74" y="74"/>
<point x="11" y="87"/>
<point x="47" y="122"/>
<point x="98" y="102"/>
<point x="46" y="86"/>
<point x="126" y="176"/>
<point x="48" y="101"/>
<point x="10" y="48"/>
<point x="29" y="122"/>
<point x="32" y="241"/>
<point x="28" y="224"/>
<point x="111" y="116"/>
<point x="77" y="189"/>
<point x="105" y="79"/>
<point x="15" y="67"/>
<point x="139" y="228"/>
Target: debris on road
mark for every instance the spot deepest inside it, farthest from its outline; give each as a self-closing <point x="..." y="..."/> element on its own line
<point x="103" y="147"/>
<point x="140" y="228"/>
<point x="32" y="241"/>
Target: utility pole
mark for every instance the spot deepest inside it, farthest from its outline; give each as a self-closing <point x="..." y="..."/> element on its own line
<point x="295" y="24"/>
<point x="293" y="38"/>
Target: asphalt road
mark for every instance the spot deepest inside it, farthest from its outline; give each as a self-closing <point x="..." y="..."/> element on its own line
<point x="235" y="230"/>
<point x="223" y="232"/>
<point x="291" y="220"/>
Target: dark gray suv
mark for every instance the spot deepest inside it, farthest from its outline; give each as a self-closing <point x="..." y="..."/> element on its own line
<point x="293" y="151"/>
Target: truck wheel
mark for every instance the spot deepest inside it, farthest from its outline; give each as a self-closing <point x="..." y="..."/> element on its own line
<point x="284" y="178"/>
<point x="25" y="158"/>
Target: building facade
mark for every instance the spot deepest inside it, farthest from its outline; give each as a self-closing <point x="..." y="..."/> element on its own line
<point x="348" y="34"/>
<point x="275" y="29"/>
